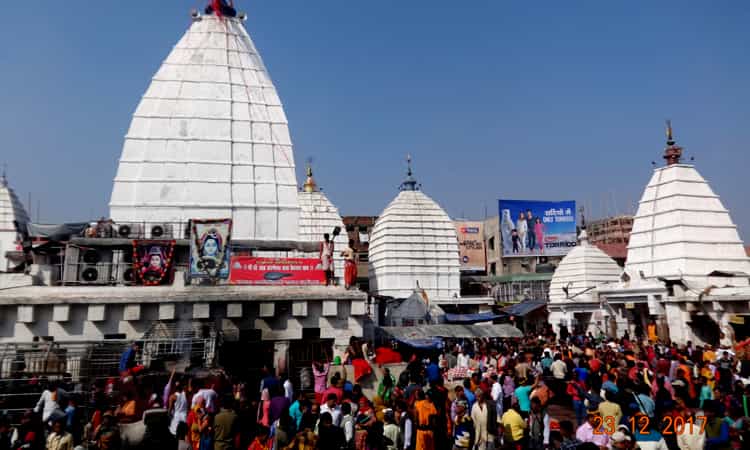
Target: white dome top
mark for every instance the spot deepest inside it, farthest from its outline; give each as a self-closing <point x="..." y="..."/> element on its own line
<point x="11" y="210"/>
<point x="682" y="229"/>
<point x="581" y="270"/>
<point x="210" y="139"/>
<point x="414" y="241"/>
<point x="317" y="217"/>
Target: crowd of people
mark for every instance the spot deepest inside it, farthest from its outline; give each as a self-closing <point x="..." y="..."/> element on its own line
<point x="534" y="393"/>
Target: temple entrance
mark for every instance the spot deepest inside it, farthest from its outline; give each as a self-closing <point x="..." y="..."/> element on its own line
<point x="740" y="323"/>
<point x="302" y="353"/>
<point x="234" y="356"/>
<point x="705" y="328"/>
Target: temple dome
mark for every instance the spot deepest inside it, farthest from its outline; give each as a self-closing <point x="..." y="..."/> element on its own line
<point x="414" y="242"/>
<point x="11" y="210"/>
<point x="209" y="139"/>
<point x="319" y="216"/>
<point x="682" y="230"/>
<point x="583" y="269"/>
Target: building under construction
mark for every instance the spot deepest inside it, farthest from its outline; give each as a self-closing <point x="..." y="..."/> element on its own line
<point x="611" y="235"/>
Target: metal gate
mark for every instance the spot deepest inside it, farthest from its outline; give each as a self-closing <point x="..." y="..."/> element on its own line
<point x="302" y="353"/>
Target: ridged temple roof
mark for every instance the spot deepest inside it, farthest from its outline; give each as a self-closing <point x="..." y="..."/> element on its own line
<point x="414" y="241"/>
<point x="11" y="208"/>
<point x="682" y="229"/>
<point x="209" y="139"/>
<point x="584" y="268"/>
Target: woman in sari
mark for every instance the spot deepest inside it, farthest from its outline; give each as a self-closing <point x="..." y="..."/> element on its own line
<point x="264" y="409"/>
<point x="195" y="422"/>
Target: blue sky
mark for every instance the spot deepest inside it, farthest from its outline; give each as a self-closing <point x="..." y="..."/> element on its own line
<point x="494" y="99"/>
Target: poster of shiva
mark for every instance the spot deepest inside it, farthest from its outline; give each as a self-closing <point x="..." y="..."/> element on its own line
<point x="209" y="248"/>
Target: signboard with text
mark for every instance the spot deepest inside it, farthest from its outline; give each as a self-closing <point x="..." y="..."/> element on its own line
<point x="250" y="270"/>
<point x="471" y="246"/>
<point x="537" y="228"/>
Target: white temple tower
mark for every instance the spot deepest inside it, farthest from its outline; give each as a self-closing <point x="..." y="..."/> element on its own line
<point x="686" y="267"/>
<point x="319" y="216"/>
<point x="414" y="244"/>
<point x="573" y="296"/>
<point x="210" y="139"/>
<point x="11" y="212"/>
<point x="682" y="230"/>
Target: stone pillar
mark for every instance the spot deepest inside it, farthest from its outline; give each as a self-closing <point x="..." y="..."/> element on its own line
<point x="281" y="356"/>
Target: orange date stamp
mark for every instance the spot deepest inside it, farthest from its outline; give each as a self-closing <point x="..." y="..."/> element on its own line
<point x="642" y="424"/>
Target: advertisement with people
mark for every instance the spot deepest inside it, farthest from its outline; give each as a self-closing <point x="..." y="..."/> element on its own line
<point x="471" y="246"/>
<point x="537" y="228"/>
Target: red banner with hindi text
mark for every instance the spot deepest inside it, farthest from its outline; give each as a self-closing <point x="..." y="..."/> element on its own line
<point x="250" y="270"/>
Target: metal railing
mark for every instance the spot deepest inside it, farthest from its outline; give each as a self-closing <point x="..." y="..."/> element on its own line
<point x="26" y="369"/>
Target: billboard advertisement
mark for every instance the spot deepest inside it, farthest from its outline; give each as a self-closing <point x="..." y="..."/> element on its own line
<point x="250" y="270"/>
<point x="537" y="228"/>
<point x="471" y="246"/>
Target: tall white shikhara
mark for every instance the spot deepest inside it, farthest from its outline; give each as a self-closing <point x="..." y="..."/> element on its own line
<point x="210" y="139"/>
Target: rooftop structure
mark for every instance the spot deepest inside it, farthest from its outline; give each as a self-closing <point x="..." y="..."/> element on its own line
<point x="414" y="244"/>
<point x="209" y="139"/>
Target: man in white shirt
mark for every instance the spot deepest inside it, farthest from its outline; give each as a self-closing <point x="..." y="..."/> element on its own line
<point x="330" y="407"/>
<point x="691" y="438"/>
<point x="49" y="403"/>
<point x="289" y="390"/>
<point x="559" y="370"/>
<point x="497" y="394"/>
<point x="209" y="397"/>
<point x="347" y="423"/>
<point x="462" y="360"/>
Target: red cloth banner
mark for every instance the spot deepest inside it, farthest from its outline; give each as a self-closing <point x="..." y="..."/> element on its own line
<point x="276" y="271"/>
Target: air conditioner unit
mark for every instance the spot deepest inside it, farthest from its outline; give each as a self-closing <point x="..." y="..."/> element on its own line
<point x="129" y="230"/>
<point x="160" y="230"/>
<point x="122" y="267"/>
<point x="95" y="266"/>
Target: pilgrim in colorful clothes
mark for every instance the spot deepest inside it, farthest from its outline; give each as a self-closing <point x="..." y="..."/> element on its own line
<point x="350" y="265"/>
